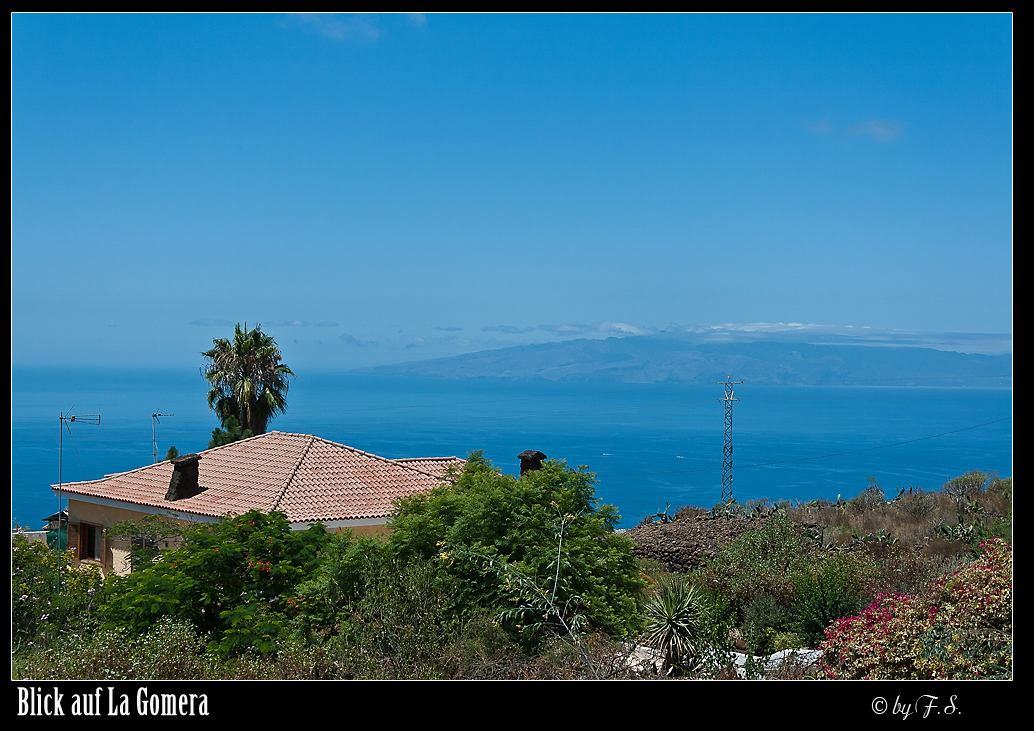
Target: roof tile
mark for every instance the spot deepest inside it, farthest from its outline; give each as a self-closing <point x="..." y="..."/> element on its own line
<point x="306" y="477"/>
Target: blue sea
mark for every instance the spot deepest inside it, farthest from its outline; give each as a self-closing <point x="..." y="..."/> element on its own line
<point x="651" y="445"/>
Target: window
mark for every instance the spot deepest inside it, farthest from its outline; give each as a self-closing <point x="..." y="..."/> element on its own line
<point x="90" y="541"/>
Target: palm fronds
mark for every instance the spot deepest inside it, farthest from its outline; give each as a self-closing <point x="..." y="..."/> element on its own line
<point x="248" y="378"/>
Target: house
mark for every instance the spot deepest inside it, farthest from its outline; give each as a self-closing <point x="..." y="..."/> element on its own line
<point x="307" y="478"/>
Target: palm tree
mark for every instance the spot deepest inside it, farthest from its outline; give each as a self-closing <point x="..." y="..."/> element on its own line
<point x="248" y="379"/>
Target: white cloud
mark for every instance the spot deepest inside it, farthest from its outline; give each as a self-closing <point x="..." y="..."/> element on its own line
<point x="332" y="26"/>
<point x="211" y="323"/>
<point x="507" y="329"/>
<point x="875" y="130"/>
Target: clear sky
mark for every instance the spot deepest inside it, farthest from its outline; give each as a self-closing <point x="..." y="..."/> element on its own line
<point x="379" y="188"/>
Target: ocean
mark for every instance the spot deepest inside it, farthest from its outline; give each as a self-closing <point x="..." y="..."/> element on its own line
<point x="653" y="446"/>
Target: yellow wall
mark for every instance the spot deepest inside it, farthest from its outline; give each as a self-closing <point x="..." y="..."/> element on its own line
<point x="380" y="531"/>
<point x="115" y="552"/>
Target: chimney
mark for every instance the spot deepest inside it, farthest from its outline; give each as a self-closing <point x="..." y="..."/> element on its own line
<point x="184" y="482"/>
<point x="530" y="460"/>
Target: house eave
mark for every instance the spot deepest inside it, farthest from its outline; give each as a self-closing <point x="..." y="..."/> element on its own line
<point x="198" y="518"/>
<point x="138" y="508"/>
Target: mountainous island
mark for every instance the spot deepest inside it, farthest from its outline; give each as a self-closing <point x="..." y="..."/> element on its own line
<point x="659" y="359"/>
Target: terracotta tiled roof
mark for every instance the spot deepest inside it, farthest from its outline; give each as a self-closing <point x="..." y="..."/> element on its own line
<point x="435" y="466"/>
<point x="305" y="477"/>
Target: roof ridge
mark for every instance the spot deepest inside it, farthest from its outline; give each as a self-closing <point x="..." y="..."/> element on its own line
<point x="414" y="459"/>
<point x="376" y="456"/>
<point x="287" y="483"/>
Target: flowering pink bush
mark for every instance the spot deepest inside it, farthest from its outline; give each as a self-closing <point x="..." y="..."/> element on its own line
<point x="959" y="626"/>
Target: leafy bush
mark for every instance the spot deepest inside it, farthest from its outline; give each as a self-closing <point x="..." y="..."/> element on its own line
<point x="235" y="581"/>
<point x="788" y="641"/>
<point x="497" y="537"/>
<point x="966" y="487"/>
<point x="1000" y="486"/>
<point x="719" y="619"/>
<point x="48" y="592"/>
<point x="403" y="625"/>
<point x="827" y="592"/>
<point x="147" y="537"/>
<point x="171" y="649"/>
<point x="348" y="564"/>
<point x="870" y="498"/>
<point x="996" y="528"/>
<point x="761" y="561"/>
<point x="762" y="621"/>
<point x="960" y="626"/>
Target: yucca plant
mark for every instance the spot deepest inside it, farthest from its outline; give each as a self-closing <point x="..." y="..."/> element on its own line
<point x="674" y="617"/>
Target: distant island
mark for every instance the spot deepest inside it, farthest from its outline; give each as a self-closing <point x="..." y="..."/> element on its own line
<point x="660" y="359"/>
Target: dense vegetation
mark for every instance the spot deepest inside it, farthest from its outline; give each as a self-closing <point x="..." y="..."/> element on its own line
<point x="495" y="576"/>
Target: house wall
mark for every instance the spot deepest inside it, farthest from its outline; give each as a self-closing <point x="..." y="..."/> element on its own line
<point x="381" y="531"/>
<point x="114" y="551"/>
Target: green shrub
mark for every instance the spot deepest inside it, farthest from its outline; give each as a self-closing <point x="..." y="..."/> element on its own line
<point x="762" y="561"/>
<point x="787" y="641"/>
<point x="719" y="619"/>
<point x="1000" y="486"/>
<point x="147" y="537"/>
<point x="827" y="592"/>
<point x="48" y="592"/>
<point x="235" y="581"/>
<point x="503" y="540"/>
<point x="171" y="649"/>
<point x="403" y="625"/>
<point x="762" y="621"/>
<point x="654" y="570"/>
<point x="966" y="487"/>
<point x="346" y="566"/>
<point x="996" y="528"/>
<point x="960" y="626"/>
<point x="870" y="498"/>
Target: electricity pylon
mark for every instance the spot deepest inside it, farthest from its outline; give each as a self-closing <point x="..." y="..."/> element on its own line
<point x="727" y="451"/>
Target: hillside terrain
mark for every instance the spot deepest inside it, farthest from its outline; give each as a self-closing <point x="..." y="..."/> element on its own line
<point x="653" y="359"/>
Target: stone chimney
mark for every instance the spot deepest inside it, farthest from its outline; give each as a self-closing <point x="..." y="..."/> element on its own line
<point x="530" y="460"/>
<point x="184" y="482"/>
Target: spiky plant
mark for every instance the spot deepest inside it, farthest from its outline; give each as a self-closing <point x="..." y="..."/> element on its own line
<point x="674" y="617"/>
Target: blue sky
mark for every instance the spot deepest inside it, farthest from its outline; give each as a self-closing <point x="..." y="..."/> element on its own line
<point x="395" y="187"/>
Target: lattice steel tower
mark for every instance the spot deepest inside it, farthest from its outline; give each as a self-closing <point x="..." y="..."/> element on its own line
<point x="727" y="451"/>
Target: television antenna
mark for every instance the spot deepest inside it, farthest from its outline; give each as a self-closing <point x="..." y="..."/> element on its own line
<point x="63" y="421"/>
<point x="154" y="440"/>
